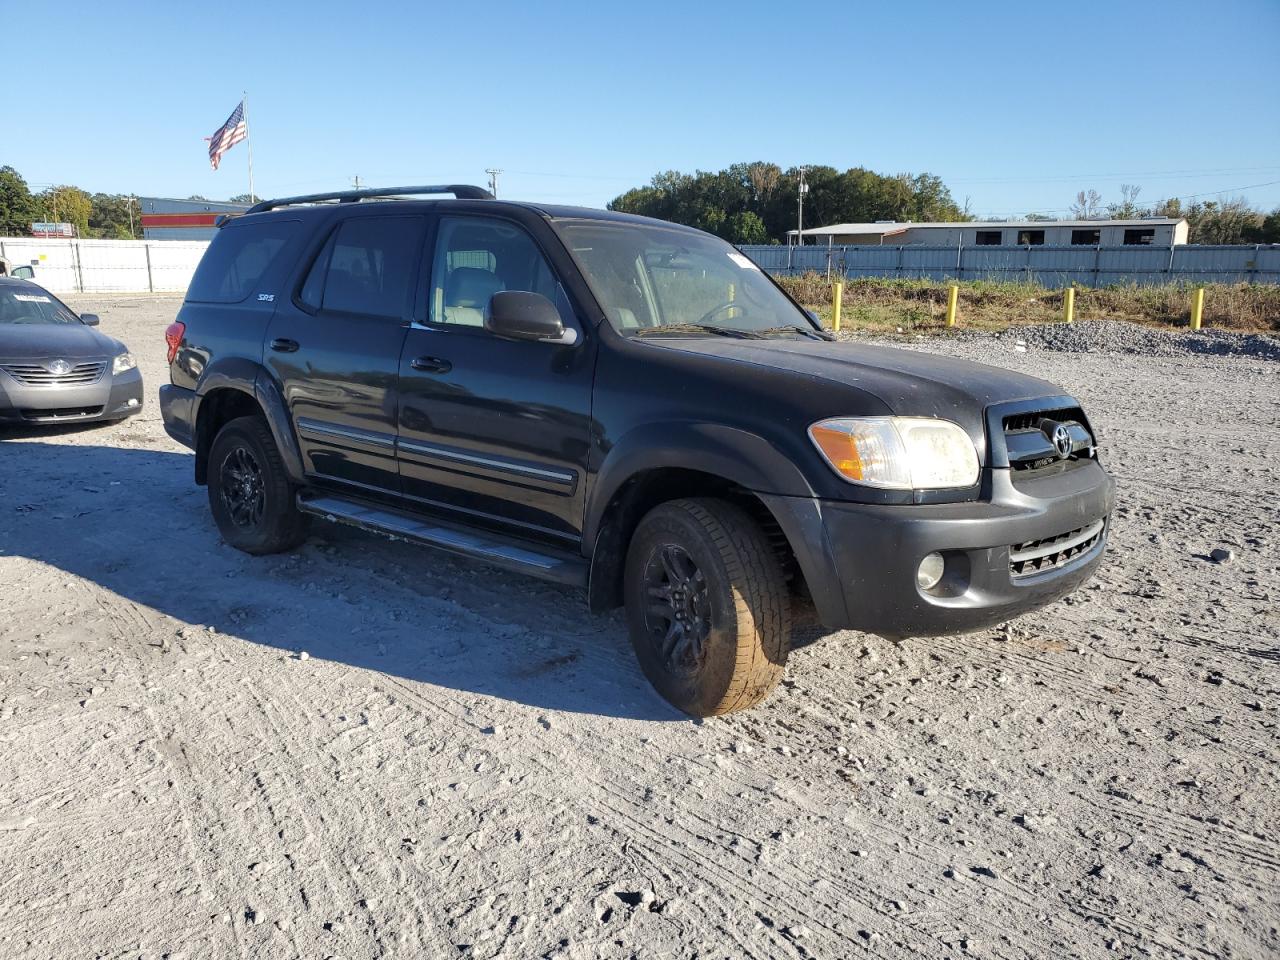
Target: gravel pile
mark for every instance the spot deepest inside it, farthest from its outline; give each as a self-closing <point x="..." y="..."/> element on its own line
<point x="1109" y="336"/>
<point x="1116" y="337"/>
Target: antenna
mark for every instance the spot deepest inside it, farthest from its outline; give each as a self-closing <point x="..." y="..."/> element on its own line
<point x="493" y="180"/>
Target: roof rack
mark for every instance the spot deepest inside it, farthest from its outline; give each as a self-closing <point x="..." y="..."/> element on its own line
<point x="461" y="191"/>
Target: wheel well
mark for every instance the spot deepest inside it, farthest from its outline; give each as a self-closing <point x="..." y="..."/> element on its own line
<point x="218" y="408"/>
<point x="644" y="491"/>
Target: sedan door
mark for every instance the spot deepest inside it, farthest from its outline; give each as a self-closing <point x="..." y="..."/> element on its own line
<point x="492" y="429"/>
<point x="335" y="348"/>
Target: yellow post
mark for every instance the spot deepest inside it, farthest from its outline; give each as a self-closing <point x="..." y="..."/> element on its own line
<point x="1197" y="307"/>
<point x="1069" y="305"/>
<point x="837" y="301"/>
<point x="953" y="296"/>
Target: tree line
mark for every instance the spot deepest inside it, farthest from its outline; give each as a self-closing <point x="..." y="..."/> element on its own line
<point x="1208" y="221"/>
<point x="757" y="202"/>
<point x="99" y="216"/>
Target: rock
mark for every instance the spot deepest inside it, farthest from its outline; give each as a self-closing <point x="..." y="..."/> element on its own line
<point x="303" y="655"/>
<point x="1222" y="555"/>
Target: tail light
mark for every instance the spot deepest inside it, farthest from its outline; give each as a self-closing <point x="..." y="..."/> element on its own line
<point x="173" y="335"/>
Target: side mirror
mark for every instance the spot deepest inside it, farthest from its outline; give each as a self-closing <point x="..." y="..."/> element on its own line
<point x="89" y="319"/>
<point x="22" y="273"/>
<point x="520" y="315"/>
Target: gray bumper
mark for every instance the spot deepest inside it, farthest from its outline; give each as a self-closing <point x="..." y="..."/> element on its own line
<point x="860" y="560"/>
<point x="111" y="398"/>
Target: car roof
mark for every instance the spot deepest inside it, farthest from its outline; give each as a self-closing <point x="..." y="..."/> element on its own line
<point x="548" y="211"/>
<point x="18" y="282"/>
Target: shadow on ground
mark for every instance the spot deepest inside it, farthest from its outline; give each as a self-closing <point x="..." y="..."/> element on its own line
<point x="132" y="521"/>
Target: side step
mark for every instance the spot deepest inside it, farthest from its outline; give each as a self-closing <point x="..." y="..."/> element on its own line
<point x="519" y="556"/>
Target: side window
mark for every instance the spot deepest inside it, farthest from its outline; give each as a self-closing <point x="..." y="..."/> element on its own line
<point x="312" y="292"/>
<point x="477" y="257"/>
<point x="236" y="260"/>
<point x="367" y="267"/>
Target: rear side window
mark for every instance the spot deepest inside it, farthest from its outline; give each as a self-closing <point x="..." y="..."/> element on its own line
<point x="237" y="259"/>
<point x="368" y="267"/>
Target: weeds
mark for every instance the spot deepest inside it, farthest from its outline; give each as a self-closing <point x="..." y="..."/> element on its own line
<point x="921" y="305"/>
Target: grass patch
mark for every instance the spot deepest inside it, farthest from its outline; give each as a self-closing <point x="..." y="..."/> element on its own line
<point x="921" y="305"/>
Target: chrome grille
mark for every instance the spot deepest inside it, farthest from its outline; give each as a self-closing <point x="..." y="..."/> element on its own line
<point x="1053" y="553"/>
<point x="1030" y="449"/>
<point x="38" y="375"/>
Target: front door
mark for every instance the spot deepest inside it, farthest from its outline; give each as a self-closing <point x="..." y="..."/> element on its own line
<point x="335" y="348"/>
<point x="494" y="430"/>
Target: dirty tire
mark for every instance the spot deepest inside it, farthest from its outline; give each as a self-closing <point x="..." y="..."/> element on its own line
<point x="729" y="583"/>
<point x="250" y="494"/>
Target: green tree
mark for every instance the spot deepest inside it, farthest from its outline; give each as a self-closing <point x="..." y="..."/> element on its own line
<point x="719" y="202"/>
<point x="1268" y="231"/>
<point x="1231" y="221"/>
<point x="66" y="204"/>
<point x="747" y="227"/>
<point x="115" y="217"/>
<point x="17" y="206"/>
<point x="244" y="198"/>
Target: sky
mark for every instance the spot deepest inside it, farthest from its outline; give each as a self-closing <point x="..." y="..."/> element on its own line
<point x="1015" y="105"/>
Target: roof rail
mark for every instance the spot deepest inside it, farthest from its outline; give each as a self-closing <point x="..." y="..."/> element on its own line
<point x="460" y="190"/>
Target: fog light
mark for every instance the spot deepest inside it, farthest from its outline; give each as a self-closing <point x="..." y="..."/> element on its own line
<point x="930" y="571"/>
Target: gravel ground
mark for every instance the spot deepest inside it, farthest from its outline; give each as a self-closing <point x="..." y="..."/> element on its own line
<point x="469" y="764"/>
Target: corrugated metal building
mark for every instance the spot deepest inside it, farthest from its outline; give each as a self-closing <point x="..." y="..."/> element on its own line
<point x="166" y="219"/>
<point x="1147" y="232"/>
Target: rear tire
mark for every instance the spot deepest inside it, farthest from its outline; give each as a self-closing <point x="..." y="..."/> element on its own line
<point x="252" y="500"/>
<point x="707" y="606"/>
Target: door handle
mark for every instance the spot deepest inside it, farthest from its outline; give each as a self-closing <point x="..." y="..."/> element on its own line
<point x="283" y="345"/>
<point x="431" y="365"/>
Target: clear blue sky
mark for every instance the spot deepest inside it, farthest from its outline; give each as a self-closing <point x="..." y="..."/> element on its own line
<point x="1016" y="105"/>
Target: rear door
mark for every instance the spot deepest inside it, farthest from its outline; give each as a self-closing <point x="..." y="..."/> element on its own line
<point x="335" y="343"/>
<point x="495" y="430"/>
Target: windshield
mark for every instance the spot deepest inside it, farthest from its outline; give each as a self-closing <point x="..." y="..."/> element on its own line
<point x="651" y="279"/>
<point x="32" y="305"/>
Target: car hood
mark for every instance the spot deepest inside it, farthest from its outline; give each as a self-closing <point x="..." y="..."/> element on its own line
<point x="908" y="382"/>
<point x="41" y="341"/>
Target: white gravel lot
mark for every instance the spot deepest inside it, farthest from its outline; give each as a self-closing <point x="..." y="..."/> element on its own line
<point x="469" y="764"/>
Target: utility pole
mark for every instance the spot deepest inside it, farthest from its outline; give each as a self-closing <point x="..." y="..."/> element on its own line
<point x="804" y="188"/>
<point x="493" y="180"/>
<point x="356" y="181"/>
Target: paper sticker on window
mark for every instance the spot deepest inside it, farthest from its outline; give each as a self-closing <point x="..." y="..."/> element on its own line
<point x="744" y="262"/>
<point x="31" y="298"/>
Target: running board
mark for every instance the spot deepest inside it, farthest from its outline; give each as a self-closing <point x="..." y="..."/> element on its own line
<point x="516" y="555"/>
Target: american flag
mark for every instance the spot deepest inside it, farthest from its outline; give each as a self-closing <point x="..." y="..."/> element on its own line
<point x="228" y="135"/>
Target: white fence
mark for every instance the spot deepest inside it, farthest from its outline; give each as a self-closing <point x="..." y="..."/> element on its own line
<point x="106" y="266"/>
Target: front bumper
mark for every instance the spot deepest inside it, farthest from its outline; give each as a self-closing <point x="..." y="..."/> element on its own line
<point x="113" y="397"/>
<point x="860" y="560"/>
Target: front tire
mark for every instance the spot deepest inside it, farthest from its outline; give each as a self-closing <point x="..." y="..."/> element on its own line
<point x="250" y="494"/>
<point x="707" y="606"/>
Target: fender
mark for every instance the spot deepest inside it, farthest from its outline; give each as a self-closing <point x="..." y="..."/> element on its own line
<point x="250" y="378"/>
<point x="744" y="458"/>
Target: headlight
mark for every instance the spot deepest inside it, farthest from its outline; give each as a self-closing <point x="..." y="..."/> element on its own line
<point x="898" y="453"/>
<point x="122" y="363"/>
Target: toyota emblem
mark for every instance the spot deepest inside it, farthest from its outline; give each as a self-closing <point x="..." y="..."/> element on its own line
<point x="1062" y="441"/>
<point x="58" y="368"/>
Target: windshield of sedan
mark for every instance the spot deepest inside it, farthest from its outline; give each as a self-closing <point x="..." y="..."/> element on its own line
<point x="31" y="305"/>
<point x="654" y="280"/>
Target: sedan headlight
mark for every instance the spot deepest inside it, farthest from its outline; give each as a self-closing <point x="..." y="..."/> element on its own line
<point x="898" y="453"/>
<point x="122" y="363"/>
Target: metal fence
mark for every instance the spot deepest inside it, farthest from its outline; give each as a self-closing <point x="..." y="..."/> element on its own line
<point x="1047" y="266"/>
<point x="106" y="266"/>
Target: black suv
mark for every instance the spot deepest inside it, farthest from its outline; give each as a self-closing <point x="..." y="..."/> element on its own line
<point x="626" y="406"/>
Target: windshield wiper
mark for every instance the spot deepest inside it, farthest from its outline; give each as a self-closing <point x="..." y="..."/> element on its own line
<point x="698" y="328"/>
<point x="802" y="331"/>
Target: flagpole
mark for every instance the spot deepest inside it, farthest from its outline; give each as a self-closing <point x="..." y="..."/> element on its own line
<point x="248" y="142"/>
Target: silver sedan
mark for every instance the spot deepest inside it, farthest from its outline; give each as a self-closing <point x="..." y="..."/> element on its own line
<point x="54" y="367"/>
